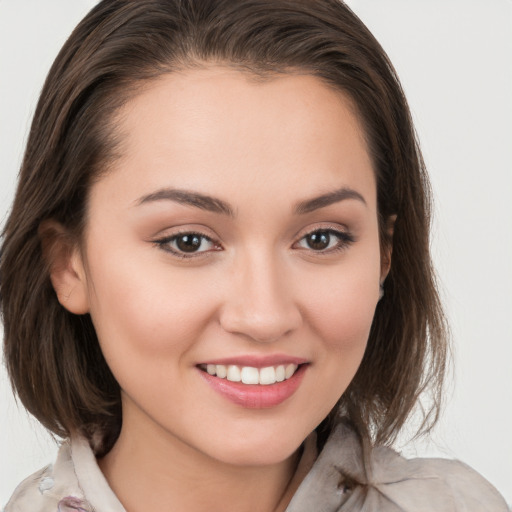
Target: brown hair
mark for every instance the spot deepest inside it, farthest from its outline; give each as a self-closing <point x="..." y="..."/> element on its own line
<point x="52" y="356"/>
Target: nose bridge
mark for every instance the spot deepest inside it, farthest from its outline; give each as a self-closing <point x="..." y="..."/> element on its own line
<point x="261" y="304"/>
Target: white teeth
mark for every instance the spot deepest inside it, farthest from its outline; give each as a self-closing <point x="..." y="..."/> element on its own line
<point x="250" y="375"/>
<point x="234" y="373"/>
<point x="280" y="373"/>
<point x="267" y="375"/>
<point x="290" y="370"/>
<point x="221" y="371"/>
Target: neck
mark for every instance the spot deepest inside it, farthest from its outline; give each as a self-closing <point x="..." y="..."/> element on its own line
<point x="148" y="471"/>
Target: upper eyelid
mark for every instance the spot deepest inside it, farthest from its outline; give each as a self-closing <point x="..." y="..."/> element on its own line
<point x="187" y="232"/>
<point x="334" y="228"/>
<point x="172" y="232"/>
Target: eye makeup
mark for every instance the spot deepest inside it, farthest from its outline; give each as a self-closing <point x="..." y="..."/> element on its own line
<point x="187" y="244"/>
<point x="193" y="244"/>
<point x="326" y="240"/>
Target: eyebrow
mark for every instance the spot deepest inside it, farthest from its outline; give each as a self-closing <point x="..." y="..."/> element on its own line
<point x="203" y="202"/>
<point x="216" y="205"/>
<point x="327" y="199"/>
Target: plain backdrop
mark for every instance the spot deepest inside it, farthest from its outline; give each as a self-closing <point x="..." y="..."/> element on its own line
<point x="454" y="59"/>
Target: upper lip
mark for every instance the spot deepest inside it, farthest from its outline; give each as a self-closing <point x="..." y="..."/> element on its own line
<point x="257" y="361"/>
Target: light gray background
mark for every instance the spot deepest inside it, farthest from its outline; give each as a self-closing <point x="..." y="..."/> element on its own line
<point x="454" y="58"/>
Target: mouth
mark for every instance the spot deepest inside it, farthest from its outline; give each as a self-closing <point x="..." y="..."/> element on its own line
<point x="261" y="386"/>
<point x="251" y="375"/>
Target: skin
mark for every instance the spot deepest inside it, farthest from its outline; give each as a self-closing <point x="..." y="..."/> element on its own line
<point x="256" y="289"/>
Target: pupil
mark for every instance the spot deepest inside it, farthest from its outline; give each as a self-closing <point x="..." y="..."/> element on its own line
<point x="188" y="243"/>
<point x="319" y="240"/>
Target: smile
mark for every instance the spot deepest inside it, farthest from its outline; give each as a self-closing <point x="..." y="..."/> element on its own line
<point x="251" y="375"/>
<point x="254" y="387"/>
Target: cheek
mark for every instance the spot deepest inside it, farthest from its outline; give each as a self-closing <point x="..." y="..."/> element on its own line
<point x="140" y="312"/>
<point x="342" y="309"/>
<point x="343" y="324"/>
<point x="341" y="317"/>
<point x="345" y="319"/>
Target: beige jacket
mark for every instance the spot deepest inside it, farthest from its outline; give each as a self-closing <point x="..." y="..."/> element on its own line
<point x="344" y="477"/>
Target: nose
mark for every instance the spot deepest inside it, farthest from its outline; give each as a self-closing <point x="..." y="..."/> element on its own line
<point x="261" y="304"/>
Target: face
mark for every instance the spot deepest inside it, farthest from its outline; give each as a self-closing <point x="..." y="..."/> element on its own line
<point x="235" y="238"/>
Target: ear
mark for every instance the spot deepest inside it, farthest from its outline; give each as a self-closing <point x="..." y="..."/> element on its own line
<point x="67" y="271"/>
<point x="385" y="263"/>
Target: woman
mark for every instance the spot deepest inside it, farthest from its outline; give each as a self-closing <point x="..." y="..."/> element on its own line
<point x="221" y="228"/>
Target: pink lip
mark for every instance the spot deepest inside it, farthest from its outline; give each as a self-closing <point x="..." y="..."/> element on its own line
<point x="254" y="396"/>
<point x="257" y="361"/>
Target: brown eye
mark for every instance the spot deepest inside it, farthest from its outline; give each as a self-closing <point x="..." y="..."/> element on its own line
<point x="319" y="240"/>
<point x="325" y="240"/>
<point x="188" y="243"/>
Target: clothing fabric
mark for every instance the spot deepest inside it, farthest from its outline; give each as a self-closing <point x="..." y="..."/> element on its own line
<point x="346" y="476"/>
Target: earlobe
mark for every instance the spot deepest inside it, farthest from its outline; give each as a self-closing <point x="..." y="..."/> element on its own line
<point x="65" y="265"/>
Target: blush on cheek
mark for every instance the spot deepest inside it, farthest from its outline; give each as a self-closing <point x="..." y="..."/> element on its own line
<point x="345" y="321"/>
<point x="138" y="326"/>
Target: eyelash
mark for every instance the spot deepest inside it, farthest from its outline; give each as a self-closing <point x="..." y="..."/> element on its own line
<point x="165" y="244"/>
<point x="345" y="239"/>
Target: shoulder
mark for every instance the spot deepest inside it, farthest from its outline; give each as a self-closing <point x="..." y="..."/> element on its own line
<point x="352" y="476"/>
<point x="51" y="489"/>
<point x="466" y="487"/>
<point x="433" y="484"/>
<point x="27" y="495"/>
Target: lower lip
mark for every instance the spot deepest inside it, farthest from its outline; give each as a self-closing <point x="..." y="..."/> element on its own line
<point x="254" y="396"/>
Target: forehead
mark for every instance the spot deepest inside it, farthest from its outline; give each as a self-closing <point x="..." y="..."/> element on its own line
<point x="219" y="130"/>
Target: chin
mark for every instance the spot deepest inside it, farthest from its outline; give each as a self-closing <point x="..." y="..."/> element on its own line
<point x="257" y="450"/>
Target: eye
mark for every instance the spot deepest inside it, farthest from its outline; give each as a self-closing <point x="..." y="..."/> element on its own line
<point x="187" y="244"/>
<point x="325" y="240"/>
